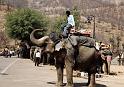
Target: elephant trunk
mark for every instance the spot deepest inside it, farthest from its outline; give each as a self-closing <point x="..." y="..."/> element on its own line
<point x="40" y="41"/>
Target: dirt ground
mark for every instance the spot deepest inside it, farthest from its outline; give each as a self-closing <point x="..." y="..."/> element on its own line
<point x="116" y="79"/>
<point x="23" y="73"/>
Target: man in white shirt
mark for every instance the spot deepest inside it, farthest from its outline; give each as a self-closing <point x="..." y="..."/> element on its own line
<point x="38" y="54"/>
<point x="37" y="58"/>
<point x="69" y="25"/>
<point x="10" y="53"/>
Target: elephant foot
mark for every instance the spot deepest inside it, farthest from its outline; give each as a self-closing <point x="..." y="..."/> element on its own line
<point x="60" y="84"/>
<point x="69" y="85"/>
<point x="91" y="85"/>
<point x="87" y="84"/>
<point x="105" y="73"/>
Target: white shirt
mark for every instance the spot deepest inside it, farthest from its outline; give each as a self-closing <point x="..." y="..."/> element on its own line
<point x="71" y="20"/>
<point x="38" y="54"/>
<point x="97" y="46"/>
<point x="10" y="52"/>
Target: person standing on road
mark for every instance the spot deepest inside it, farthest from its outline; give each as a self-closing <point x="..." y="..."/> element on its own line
<point x="108" y="59"/>
<point x="37" y="58"/>
<point x="70" y="24"/>
<point x="10" y="53"/>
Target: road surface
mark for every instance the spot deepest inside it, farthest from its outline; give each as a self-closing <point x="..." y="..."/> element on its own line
<point x="17" y="72"/>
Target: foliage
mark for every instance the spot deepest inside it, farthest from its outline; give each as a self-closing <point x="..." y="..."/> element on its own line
<point x="123" y="47"/>
<point x="21" y="22"/>
<point x="118" y="41"/>
<point x="59" y="22"/>
<point x="3" y="39"/>
<point x="76" y="15"/>
<point x="112" y="41"/>
<point x="2" y="1"/>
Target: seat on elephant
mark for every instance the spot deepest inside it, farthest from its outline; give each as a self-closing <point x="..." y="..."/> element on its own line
<point x="82" y="41"/>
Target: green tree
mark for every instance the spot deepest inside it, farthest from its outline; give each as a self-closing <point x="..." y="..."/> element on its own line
<point x="112" y="41"/>
<point x="76" y="15"/>
<point x="2" y="1"/>
<point x="59" y="22"/>
<point x="3" y="39"/>
<point x="21" y="22"/>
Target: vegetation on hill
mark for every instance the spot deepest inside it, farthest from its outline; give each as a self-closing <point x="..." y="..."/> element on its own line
<point x="21" y="22"/>
<point x="108" y="14"/>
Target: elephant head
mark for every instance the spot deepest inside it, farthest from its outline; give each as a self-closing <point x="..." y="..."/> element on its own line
<point x="44" y="41"/>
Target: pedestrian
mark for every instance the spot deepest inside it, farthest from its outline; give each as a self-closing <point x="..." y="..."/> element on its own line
<point x="122" y="61"/>
<point x="10" y="53"/>
<point x="37" y="58"/>
<point x="18" y="52"/>
<point x="70" y="24"/>
<point x="108" y="58"/>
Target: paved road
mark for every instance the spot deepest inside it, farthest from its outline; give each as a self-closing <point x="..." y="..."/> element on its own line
<point x="5" y="63"/>
<point x="23" y="73"/>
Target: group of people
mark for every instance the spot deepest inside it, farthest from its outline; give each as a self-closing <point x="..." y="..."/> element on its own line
<point x="8" y="52"/>
<point x="38" y="56"/>
<point x="106" y="55"/>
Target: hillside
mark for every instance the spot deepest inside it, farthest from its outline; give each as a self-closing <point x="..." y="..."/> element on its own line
<point x="108" y="13"/>
<point x="104" y="10"/>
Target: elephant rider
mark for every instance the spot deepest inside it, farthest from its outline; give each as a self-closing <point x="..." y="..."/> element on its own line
<point x="70" y="24"/>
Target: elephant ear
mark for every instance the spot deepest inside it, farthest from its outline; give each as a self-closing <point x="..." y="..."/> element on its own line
<point x="74" y="40"/>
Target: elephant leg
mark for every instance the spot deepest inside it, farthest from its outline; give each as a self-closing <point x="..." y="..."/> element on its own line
<point x="105" y="66"/>
<point x="109" y="63"/>
<point x="89" y="76"/>
<point x="101" y="68"/>
<point x="59" y="76"/>
<point x="44" y="59"/>
<point x="38" y="62"/>
<point x="69" y="73"/>
<point x="91" y="80"/>
<point x="35" y="61"/>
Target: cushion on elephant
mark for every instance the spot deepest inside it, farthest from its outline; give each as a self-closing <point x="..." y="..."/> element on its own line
<point x="82" y="41"/>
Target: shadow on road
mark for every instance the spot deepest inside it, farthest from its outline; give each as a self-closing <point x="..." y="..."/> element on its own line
<point x="78" y="84"/>
<point x="85" y="85"/>
<point x="113" y="73"/>
<point x="3" y="74"/>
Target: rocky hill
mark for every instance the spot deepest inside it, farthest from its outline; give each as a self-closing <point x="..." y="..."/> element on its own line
<point x="108" y="13"/>
<point x="2" y="19"/>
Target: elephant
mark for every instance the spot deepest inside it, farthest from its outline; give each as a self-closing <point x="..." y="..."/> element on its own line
<point x="84" y="60"/>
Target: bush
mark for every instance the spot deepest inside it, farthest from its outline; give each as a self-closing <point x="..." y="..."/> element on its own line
<point x="21" y="22"/>
<point x="59" y="21"/>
